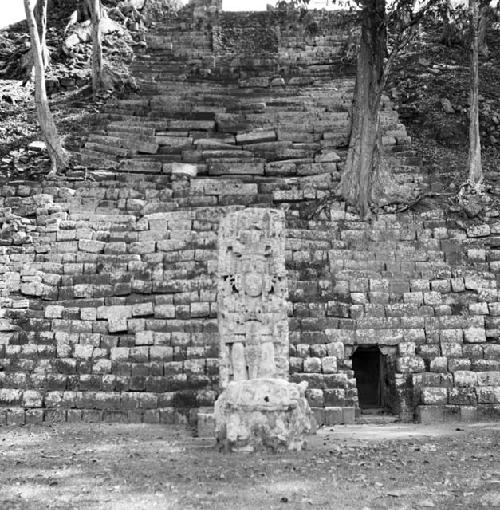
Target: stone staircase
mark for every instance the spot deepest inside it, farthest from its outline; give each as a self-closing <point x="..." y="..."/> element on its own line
<point x="108" y="286"/>
<point x="207" y="110"/>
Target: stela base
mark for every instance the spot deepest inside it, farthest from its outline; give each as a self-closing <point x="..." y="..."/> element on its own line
<point x="263" y="414"/>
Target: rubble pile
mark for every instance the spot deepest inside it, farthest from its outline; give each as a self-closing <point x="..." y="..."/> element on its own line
<point x="70" y="45"/>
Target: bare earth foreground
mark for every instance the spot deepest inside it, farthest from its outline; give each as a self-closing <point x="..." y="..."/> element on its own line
<point x="150" y="466"/>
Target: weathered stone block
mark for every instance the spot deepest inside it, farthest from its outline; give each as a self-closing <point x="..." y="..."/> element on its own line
<point x="91" y="246"/>
<point x="465" y="379"/>
<point x="434" y="396"/>
<point x="312" y="365"/>
<point x="406" y="348"/>
<point x="451" y="350"/>
<point x="427" y="414"/>
<point x="458" y="364"/>
<point x="329" y="364"/>
<point x="439" y="364"/>
<point x="164" y="311"/>
<point x="463" y="396"/>
<point x="488" y="395"/>
<point x="474" y="335"/>
<point x="263" y="414"/>
<point x="144" y="338"/>
<point x="409" y="364"/>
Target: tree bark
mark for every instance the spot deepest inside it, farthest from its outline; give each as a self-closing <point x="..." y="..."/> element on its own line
<point x="58" y="157"/>
<point x="364" y="152"/>
<point x="475" y="164"/>
<point x="96" y="16"/>
<point x="41" y="23"/>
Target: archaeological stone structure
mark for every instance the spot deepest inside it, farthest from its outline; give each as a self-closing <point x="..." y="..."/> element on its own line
<point x="258" y="407"/>
<point x="109" y="287"/>
<point x="252" y="292"/>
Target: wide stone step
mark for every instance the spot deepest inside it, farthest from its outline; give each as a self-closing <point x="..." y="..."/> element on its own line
<point x="108" y="149"/>
<point x="97" y="159"/>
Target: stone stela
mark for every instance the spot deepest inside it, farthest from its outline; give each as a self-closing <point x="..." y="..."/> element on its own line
<point x="253" y="321"/>
<point x="258" y="408"/>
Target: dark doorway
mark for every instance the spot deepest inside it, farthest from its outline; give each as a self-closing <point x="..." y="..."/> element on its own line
<point x="368" y="366"/>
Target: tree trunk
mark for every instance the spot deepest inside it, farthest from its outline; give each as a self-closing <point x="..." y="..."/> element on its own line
<point x="475" y="164"/>
<point x="96" y="16"/>
<point x="41" y="23"/>
<point x="364" y="145"/>
<point x="58" y="157"/>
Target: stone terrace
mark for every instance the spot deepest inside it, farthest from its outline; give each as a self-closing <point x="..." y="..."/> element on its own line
<point x="109" y="286"/>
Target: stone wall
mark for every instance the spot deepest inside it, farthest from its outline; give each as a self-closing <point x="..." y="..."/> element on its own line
<point x="109" y="289"/>
<point x="109" y="303"/>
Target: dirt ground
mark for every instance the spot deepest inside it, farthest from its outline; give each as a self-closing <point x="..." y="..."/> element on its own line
<point x="101" y="466"/>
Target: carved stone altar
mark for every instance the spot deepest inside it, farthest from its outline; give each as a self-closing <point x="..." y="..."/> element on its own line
<point x="259" y="407"/>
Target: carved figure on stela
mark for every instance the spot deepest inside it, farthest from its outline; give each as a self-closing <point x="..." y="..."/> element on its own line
<point x="252" y="289"/>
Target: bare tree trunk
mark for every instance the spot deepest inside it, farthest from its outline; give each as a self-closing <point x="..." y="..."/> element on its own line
<point x="96" y="16"/>
<point x="58" y="157"/>
<point x="364" y="145"/>
<point x="475" y="164"/>
<point x="41" y="23"/>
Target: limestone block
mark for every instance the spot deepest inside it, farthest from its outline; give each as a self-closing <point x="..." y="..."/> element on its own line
<point x="91" y="246"/>
<point x="263" y="414"/>
<point x="479" y="231"/>
<point x="312" y="365"/>
<point x="430" y="414"/>
<point x="451" y="335"/>
<point x="439" y="364"/>
<point x="464" y="378"/>
<point x="315" y="397"/>
<point x="474" y="335"/>
<point x="333" y="416"/>
<point x="164" y="311"/>
<point x="406" y="349"/>
<point x="485" y="365"/>
<point x="142" y="309"/>
<point x="117" y="324"/>
<point x="144" y="338"/>
<point x="492" y="352"/>
<point x="348" y="415"/>
<point x="10" y="396"/>
<point x="327" y="157"/>
<point x="317" y="350"/>
<point x="463" y="396"/>
<point x="488" y="394"/>
<point x="88" y="314"/>
<point x="336" y="349"/>
<point x="296" y="364"/>
<point x="432" y="298"/>
<point x="479" y="308"/>
<point x="53" y="311"/>
<point x="409" y="364"/>
<point x="257" y="136"/>
<point x="83" y="351"/>
<point x="488" y="378"/>
<point x="329" y="364"/>
<point x="451" y="350"/>
<point x="457" y="285"/>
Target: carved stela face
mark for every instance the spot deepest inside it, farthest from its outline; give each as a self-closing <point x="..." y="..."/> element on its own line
<point x="253" y="284"/>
